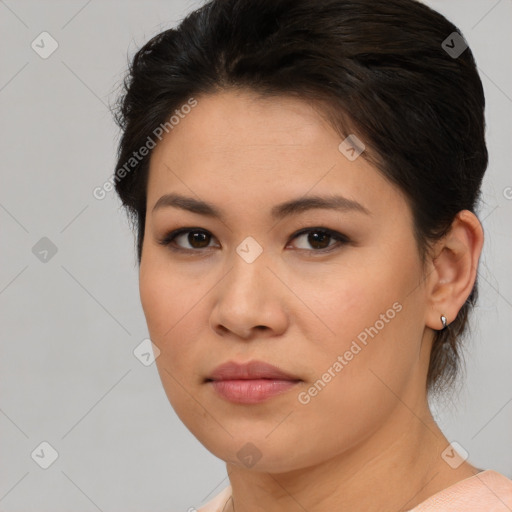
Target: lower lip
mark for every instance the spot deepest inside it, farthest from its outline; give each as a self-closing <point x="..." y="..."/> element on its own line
<point x="251" y="391"/>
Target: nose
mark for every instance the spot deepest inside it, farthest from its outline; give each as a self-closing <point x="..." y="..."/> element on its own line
<point x="250" y="301"/>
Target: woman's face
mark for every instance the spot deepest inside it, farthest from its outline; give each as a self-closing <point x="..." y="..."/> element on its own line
<point x="344" y="318"/>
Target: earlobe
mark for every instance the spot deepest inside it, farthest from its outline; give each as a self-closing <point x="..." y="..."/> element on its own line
<point x="454" y="269"/>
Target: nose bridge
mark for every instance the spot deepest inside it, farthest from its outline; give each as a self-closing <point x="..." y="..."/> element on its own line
<point x="247" y="298"/>
<point x="248" y="271"/>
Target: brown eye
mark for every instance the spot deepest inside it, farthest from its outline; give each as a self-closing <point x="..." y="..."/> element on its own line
<point x="317" y="240"/>
<point x="198" y="239"/>
<point x="187" y="239"/>
<point x="320" y="239"/>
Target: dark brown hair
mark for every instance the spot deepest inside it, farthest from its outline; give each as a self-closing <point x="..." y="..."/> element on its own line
<point x="381" y="70"/>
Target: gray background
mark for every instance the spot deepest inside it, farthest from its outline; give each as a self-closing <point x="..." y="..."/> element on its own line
<point x="69" y="325"/>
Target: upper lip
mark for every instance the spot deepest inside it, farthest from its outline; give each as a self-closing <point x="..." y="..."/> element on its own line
<point x="247" y="371"/>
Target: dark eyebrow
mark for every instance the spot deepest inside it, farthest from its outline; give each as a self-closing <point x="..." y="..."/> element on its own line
<point x="279" y="211"/>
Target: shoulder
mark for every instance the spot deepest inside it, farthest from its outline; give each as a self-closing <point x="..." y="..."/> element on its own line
<point x="487" y="491"/>
<point x="217" y="503"/>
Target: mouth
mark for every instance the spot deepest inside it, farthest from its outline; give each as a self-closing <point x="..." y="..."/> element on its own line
<point x="250" y="383"/>
<point x="251" y="391"/>
<point x="249" y="371"/>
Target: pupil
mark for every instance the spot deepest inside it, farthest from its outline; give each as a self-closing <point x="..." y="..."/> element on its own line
<point x="316" y="236"/>
<point x="198" y="237"/>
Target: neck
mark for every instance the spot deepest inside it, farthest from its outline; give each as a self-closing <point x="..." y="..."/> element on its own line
<point x="394" y="469"/>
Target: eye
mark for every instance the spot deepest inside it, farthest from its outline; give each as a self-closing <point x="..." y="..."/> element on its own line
<point x="318" y="238"/>
<point x="195" y="237"/>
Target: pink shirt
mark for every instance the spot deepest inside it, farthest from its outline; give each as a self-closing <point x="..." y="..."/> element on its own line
<point x="487" y="491"/>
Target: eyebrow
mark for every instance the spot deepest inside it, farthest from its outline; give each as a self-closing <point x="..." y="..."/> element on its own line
<point x="286" y="209"/>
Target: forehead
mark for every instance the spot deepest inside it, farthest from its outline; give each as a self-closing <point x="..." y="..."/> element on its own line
<point x="239" y="145"/>
<point x="238" y="122"/>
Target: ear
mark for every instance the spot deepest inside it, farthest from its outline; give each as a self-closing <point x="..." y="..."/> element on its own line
<point x="453" y="271"/>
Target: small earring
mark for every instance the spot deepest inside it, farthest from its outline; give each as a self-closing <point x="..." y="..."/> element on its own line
<point x="444" y="322"/>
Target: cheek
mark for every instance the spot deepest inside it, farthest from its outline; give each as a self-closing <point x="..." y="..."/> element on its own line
<point x="166" y="304"/>
<point x="358" y="373"/>
<point x="156" y="302"/>
<point x="370" y="315"/>
<point x="165" y="296"/>
<point x="174" y="313"/>
<point x="348" y="299"/>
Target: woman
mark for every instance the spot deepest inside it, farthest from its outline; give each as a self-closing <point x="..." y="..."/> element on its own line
<point x="304" y="178"/>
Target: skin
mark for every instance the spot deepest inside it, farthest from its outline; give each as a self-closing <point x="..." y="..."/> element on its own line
<point x="367" y="441"/>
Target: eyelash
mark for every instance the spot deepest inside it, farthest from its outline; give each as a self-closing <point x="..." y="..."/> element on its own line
<point x="341" y="239"/>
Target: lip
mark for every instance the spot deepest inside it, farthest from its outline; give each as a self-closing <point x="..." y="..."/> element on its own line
<point x="250" y="370"/>
<point x="250" y="383"/>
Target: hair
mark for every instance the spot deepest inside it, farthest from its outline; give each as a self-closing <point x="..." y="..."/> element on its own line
<point x="376" y="69"/>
